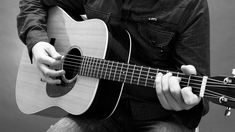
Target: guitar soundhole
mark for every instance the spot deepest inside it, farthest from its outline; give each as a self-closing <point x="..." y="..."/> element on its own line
<point x="71" y="64"/>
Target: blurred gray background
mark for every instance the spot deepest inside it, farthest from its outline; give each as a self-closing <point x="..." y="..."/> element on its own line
<point x="222" y="14"/>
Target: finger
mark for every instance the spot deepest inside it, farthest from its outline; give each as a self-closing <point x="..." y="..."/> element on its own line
<point x="47" y="72"/>
<point x="188" y="69"/>
<point x="53" y="53"/>
<point x="48" y="60"/>
<point x="175" y="90"/>
<point x="161" y="97"/>
<point x="189" y="97"/>
<point x="166" y="90"/>
<point x="51" y="80"/>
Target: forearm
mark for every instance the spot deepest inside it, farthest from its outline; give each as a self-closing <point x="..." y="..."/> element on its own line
<point x="31" y="23"/>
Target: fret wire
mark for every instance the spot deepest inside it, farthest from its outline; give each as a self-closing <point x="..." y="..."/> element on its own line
<point x="120" y="73"/>
<point x="94" y="69"/>
<point x="139" y="75"/>
<point x="81" y="69"/>
<point x="98" y="67"/>
<point x="129" y="73"/>
<point x="113" y="75"/>
<point x="195" y="81"/>
<point x="136" y="74"/>
<point x="89" y="67"/>
<point x="151" y="80"/>
<point x="111" y="68"/>
<point x="102" y="68"/>
<point x="126" y="73"/>
<point x="144" y="76"/>
<point x="147" y="77"/>
<point x="137" y="70"/>
<point x="106" y="68"/>
<point x="82" y="66"/>
<point x="177" y="73"/>
<point x="115" y="71"/>
<point x="132" y="74"/>
<point x="85" y="67"/>
<point x="91" y="57"/>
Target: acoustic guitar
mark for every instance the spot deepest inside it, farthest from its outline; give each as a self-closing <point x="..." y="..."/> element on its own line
<point x="96" y="62"/>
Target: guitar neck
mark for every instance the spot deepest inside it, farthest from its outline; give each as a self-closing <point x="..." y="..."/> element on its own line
<point x="128" y="73"/>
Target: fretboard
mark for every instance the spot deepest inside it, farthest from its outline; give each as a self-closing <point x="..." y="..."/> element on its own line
<point x="123" y="72"/>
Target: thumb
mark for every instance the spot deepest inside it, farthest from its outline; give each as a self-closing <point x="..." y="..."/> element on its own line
<point x="189" y="97"/>
<point x="188" y="69"/>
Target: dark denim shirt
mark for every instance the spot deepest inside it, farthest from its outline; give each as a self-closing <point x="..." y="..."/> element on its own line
<point x="166" y="34"/>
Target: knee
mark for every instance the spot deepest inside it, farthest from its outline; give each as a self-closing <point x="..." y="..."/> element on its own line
<point x="169" y="127"/>
<point x="64" y="125"/>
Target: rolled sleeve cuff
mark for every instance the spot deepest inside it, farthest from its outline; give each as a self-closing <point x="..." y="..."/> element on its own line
<point x="33" y="38"/>
<point x="191" y="118"/>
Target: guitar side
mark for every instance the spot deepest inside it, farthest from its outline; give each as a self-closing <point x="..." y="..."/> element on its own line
<point x="91" y="37"/>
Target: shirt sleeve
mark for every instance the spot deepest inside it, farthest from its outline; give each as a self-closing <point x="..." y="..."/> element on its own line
<point x="192" y="47"/>
<point x="31" y="22"/>
<point x="32" y="19"/>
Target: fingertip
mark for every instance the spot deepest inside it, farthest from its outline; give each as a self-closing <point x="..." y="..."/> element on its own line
<point x="189" y="97"/>
<point x="159" y="74"/>
<point x="188" y="69"/>
<point x="62" y="72"/>
<point x="58" y="81"/>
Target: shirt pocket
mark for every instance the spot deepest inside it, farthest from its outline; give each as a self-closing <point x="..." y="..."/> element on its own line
<point x="156" y="37"/>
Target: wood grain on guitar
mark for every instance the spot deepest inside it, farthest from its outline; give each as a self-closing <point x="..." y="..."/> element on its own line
<point x="94" y="77"/>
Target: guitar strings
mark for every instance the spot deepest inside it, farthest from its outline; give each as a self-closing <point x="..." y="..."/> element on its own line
<point x="83" y="57"/>
<point x="216" y="95"/>
<point x="198" y="88"/>
<point x="212" y="93"/>
<point x="140" y="67"/>
<point x="94" y="68"/>
<point x="141" y="78"/>
<point x="208" y="93"/>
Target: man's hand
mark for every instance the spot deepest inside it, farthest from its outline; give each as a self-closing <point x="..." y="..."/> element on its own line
<point x="170" y="94"/>
<point x="45" y="56"/>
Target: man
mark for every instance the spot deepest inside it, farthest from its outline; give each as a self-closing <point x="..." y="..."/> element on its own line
<point x="169" y="34"/>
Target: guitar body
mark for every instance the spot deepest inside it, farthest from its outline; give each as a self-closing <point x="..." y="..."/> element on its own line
<point x="85" y="96"/>
<point x="96" y="62"/>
